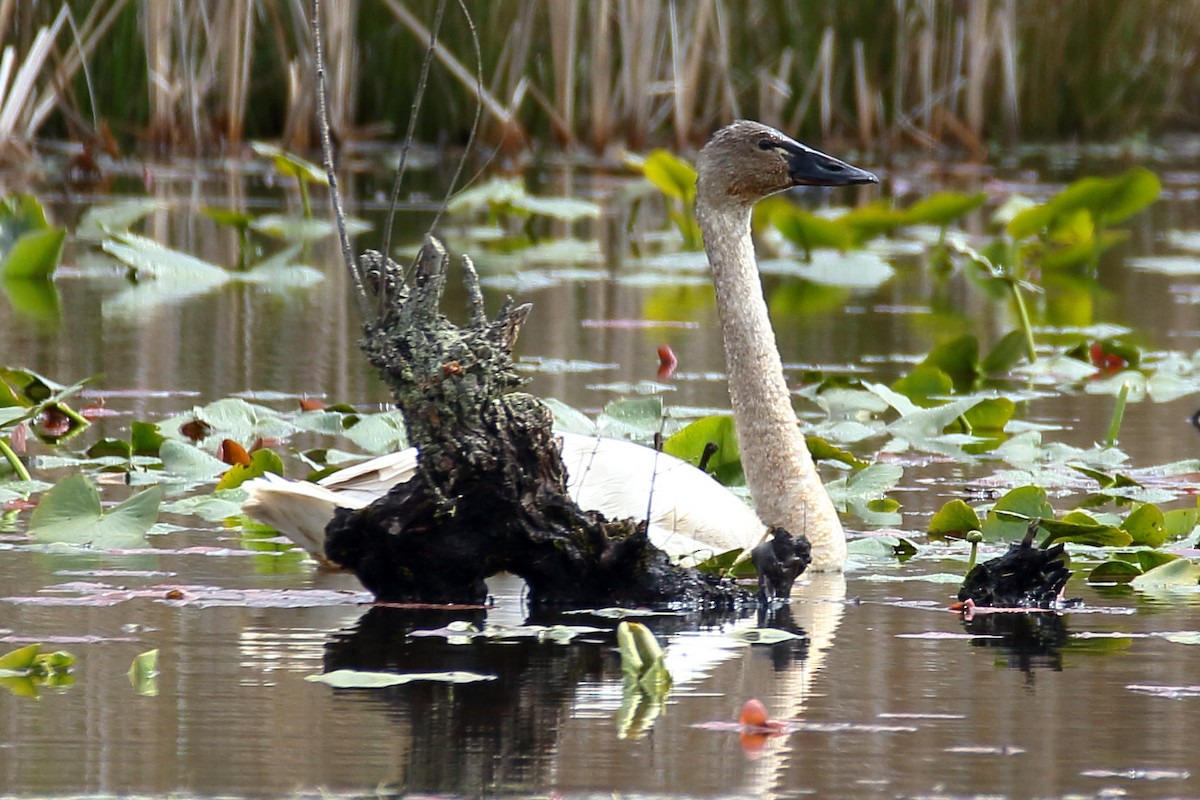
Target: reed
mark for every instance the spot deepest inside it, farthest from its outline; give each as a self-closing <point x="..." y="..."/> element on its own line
<point x="199" y="75"/>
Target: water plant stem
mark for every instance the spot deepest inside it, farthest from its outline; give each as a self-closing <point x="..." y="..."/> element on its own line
<point x="1026" y="325"/>
<point x="14" y="461"/>
<point x="1118" y="415"/>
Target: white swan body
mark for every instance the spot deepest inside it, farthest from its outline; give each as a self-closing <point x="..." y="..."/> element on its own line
<point x="691" y="515"/>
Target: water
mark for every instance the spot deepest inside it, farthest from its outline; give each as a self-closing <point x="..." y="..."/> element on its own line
<point x="894" y="697"/>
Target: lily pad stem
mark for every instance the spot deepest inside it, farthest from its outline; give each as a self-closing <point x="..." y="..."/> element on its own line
<point x="1026" y="325"/>
<point x="1118" y="415"/>
<point x="14" y="461"/>
<point x="974" y="537"/>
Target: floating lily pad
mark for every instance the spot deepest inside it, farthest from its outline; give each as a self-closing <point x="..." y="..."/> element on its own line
<point x="71" y="513"/>
<point x="362" y="679"/>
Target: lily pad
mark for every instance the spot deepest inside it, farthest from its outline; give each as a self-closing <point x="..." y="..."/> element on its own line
<point x="363" y="679"/>
<point x="71" y="513"/>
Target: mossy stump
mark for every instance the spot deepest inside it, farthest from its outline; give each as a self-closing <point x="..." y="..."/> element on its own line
<point x="490" y="493"/>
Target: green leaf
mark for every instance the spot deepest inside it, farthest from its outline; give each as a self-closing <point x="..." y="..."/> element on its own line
<point x="188" y="461"/>
<point x="990" y="415"/>
<point x="822" y="450"/>
<point x="232" y="217"/>
<point x="1114" y="572"/>
<point x="21" y="659"/>
<point x="864" y="485"/>
<point x="149" y="258"/>
<point x="1130" y="193"/>
<point x="296" y="228"/>
<point x="958" y="358"/>
<point x="145" y="439"/>
<point x="1030" y="221"/>
<point x="871" y="220"/>
<point x="943" y="208"/>
<point x="1010" y="516"/>
<point x="925" y="385"/>
<point x="1146" y="525"/>
<point x="639" y="416"/>
<point x="689" y="443"/>
<point x="1181" y="522"/>
<point x="261" y="462"/>
<point x="954" y="520"/>
<point x="810" y="231"/>
<point x="1089" y="533"/>
<point x="1005" y="354"/>
<point x="143" y="673"/>
<point x="363" y="679"/>
<point x="1178" y="573"/>
<point x="100" y="221"/>
<point x="34" y="256"/>
<point x="291" y="165"/>
<point x="671" y="175"/>
<point x="36" y="300"/>
<point x="765" y="635"/>
<point x="71" y="513"/>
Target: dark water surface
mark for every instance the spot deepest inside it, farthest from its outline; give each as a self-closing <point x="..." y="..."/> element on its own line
<point x="892" y="696"/>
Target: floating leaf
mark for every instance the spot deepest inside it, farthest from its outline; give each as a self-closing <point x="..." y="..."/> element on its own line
<point x="809" y="231"/>
<point x="943" y="208"/>
<point x="1009" y="517"/>
<point x="189" y="461"/>
<point x="1179" y="573"/>
<point x="671" y="175"/>
<point x="291" y="165"/>
<point x="766" y="635"/>
<point x="1146" y="525"/>
<point x="261" y="462"/>
<point x="690" y="442"/>
<point x="71" y="513"/>
<point x="100" y="221"/>
<point x="363" y="679"/>
<point x="1088" y="533"/>
<point x="1006" y="353"/>
<point x="34" y="256"/>
<point x="1114" y="572"/>
<point x="21" y="659"/>
<point x="954" y="520"/>
<point x="143" y="673"/>
<point x="30" y="248"/>
<point x="821" y="450"/>
<point x="924" y="385"/>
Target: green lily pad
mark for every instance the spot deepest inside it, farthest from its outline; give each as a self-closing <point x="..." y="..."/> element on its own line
<point x="954" y="520"/>
<point x="143" y="673"/>
<point x="1179" y="573"/>
<point x="71" y="513"/>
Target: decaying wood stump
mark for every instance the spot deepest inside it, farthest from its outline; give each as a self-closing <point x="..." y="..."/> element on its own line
<point x="490" y="492"/>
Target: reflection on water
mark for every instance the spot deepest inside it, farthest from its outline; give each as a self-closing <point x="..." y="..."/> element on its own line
<point x="895" y="699"/>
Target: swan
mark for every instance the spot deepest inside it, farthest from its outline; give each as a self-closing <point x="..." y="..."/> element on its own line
<point x="690" y="514"/>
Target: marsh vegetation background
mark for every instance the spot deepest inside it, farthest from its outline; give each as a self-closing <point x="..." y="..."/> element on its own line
<point x="204" y="76"/>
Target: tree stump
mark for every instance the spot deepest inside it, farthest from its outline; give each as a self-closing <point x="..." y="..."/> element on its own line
<point x="490" y="492"/>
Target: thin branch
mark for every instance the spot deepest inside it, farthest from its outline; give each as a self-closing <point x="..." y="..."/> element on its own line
<point x="422" y="82"/>
<point x="474" y="122"/>
<point x="335" y="195"/>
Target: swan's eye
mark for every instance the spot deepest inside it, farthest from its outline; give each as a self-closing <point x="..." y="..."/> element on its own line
<point x="765" y="144"/>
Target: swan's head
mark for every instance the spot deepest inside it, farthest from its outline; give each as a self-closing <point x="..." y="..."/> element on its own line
<point x="747" y="161"/>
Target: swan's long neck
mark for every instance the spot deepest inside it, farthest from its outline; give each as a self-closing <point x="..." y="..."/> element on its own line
<point x="779" y="470"/>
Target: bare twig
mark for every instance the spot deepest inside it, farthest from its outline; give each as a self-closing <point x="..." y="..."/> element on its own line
<point x="335" y="194"/>
<point x="422" y="82"/>
<point x="475" y="122"/>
